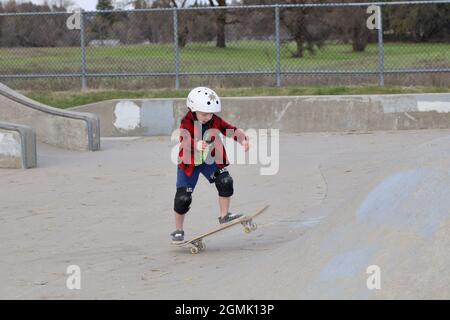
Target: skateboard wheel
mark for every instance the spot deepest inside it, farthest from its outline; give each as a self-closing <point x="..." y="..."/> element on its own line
<point x="247" y="229"/>
<point x="201" y="246"/>
<point x="194" y="250"/>
<point x="254" y="226"/>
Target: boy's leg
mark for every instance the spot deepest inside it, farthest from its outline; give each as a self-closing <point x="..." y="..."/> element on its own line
<point x="224" y="185"/>
<point x="224" y="203"/>
<point x="183" y="196"/>
<point x="182" y="203"/>
<point x="179" y="221"/>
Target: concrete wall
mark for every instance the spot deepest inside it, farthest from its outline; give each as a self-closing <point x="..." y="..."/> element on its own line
<point x="137" y="117"/>
<point x="64" y="129"/>
<point x="289" y="114"/>
<point x="17" y="146"/>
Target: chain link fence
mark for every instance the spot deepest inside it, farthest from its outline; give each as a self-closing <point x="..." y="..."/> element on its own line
<point x="272" y="45"/>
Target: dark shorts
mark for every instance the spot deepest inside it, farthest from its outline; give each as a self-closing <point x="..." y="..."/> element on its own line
<point x="207" y="170"/>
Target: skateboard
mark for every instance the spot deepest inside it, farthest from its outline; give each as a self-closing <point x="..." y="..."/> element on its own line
<point x="196" y="244"/>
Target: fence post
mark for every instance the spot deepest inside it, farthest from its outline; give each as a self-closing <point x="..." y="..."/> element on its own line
<point x="277" y="40"/>
<point x="83" y="52"/>
<point x="380" y="47"/>
<point x="177" y="49"/>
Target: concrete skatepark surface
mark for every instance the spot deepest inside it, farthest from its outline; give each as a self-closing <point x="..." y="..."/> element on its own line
<point x="339" y="203"/>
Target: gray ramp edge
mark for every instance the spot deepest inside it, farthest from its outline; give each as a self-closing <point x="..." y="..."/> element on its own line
<point x="92" y="121"/>
<point x="28" y="143"/>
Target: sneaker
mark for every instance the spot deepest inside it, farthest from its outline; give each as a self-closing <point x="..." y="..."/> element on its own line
<point x="177" y="236"/>
<point x="229" y="217"/>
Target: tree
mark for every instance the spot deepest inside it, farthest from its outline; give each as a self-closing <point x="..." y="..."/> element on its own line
<point x="419" y="23"/>
<point x="199" y="23"/>
<point x="183" y="29"/>
<point x="349" y="25"/>
<point x="358" y="30"/>
<point x="308" y="27"/>
<point x="221" y="22"/>
<point x="141" y="4"/>
<point x="183" y="19"/>
<point x="35" y="31"/>
<point x="104" y="20"/>
<point x="106" y="5"/>
<point x="254" y="23"/>
<point x="141" y="26"/>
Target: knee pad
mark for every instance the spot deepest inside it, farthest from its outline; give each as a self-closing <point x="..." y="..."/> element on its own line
<point x="224" y="183"/>
<point x="183" y="199"/>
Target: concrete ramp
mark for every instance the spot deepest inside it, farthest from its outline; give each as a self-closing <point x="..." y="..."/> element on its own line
<point x="17" y="146"/>
<point x="60" y="128"/>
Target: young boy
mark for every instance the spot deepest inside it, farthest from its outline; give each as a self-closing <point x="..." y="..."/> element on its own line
<point x="202" y="151"/>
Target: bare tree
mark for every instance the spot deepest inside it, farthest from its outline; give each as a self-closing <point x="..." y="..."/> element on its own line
<point x="308" y="27"/>
<point x="221" y="22"/>
<point x="358" y="30"/>
<point x="351" y="22"/>
<point x="34" y="31"/>
<point x="183" y="19"/>
<point x="183" y="29"/>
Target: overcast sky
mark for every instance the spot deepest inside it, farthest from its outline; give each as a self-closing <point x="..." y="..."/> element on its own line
<point x="85" y="4"/>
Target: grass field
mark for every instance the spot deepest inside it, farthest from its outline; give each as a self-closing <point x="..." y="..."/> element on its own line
<point x="67" y="99"/>
<point x="205" y="57"/>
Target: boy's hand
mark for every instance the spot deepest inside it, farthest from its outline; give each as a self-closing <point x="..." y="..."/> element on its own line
<point x="201" y="145"/>
<point x="246" y="144"/>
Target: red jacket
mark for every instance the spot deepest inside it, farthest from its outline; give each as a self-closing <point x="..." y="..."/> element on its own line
<point x="188" y="140"/>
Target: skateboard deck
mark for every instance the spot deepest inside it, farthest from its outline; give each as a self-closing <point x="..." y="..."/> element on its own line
<point x="196" y="244"/>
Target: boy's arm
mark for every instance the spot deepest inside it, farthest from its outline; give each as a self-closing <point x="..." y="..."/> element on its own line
<point x="231" y="131"/>
<point x="186" y="139"/>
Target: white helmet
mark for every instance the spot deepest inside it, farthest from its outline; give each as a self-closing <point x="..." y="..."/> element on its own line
<point x="203" y="99"/>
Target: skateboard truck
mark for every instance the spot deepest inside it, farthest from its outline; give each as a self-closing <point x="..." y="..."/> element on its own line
<point x="196" y="246"/>
<point x="249" y="226"/>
